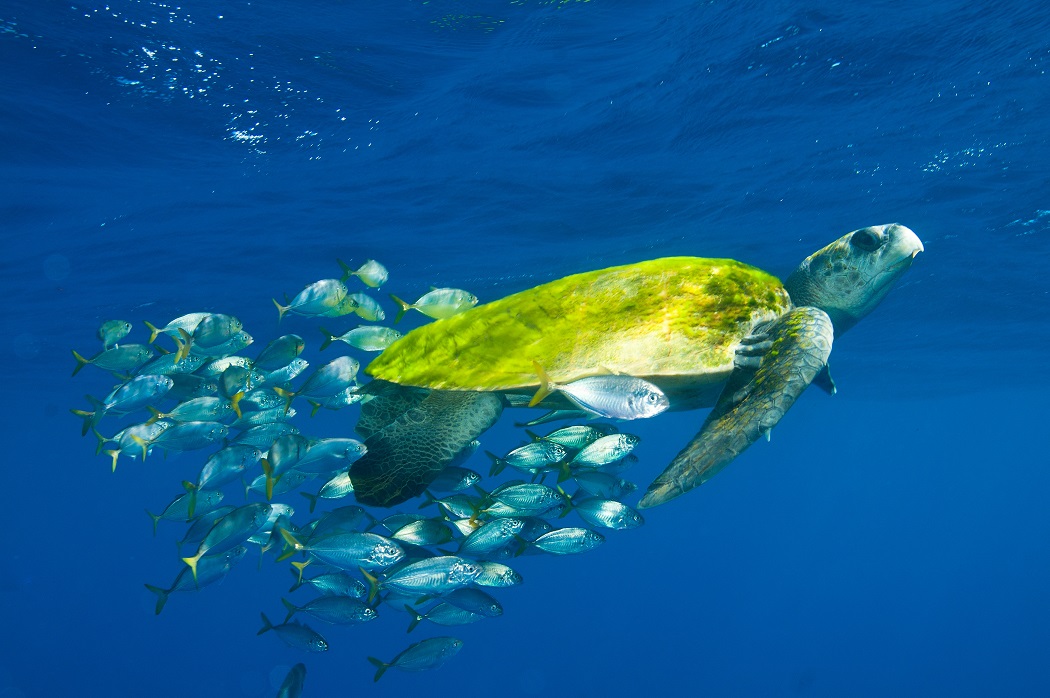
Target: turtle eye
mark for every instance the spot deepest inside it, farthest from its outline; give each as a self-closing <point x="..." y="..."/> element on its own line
<point x="867" y="240"/>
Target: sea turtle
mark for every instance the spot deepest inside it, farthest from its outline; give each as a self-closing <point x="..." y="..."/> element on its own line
<point x="707" y="332"/>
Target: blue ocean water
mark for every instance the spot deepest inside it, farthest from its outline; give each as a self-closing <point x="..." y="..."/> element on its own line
<point x="162" y="158"/>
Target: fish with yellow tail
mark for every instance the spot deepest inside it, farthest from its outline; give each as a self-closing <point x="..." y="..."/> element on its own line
<point x="230" y="531"/>
<point x="612" y="396"/>
<point x="438" y="303"/>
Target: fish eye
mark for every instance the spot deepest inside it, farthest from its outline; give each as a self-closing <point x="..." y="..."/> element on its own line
<point x="866" y="240"/>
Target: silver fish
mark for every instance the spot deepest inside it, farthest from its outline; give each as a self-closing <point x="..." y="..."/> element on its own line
<point x="435" y="575"/>
<point x="187" y="323"/>
<point x="611" y="396"/>
<point x="438" y="303"/>
<point x="605" y="450"/>
<point x="442" y="614"/>
<point x="603" y="485"/>
<point x="292" y="686"/>
<point x="475" y="601"/>
<point x="198" y="409"/>
<point x="339" y="610"/>
<point x="349" y="551"/>
<point x="334" y="584"/>
<point x="530" y="458"/>
<point x="372" y="273"/>
<point x="607" y="513"/>
<point x="428" y="654"/>
<point x="230" y="531"/>
<point x="279" y="353"/>
<point x="496" y="574"/>
<point x="297" y="635"/>
<point x="568" y="541"/>
<point x="314" y="299"/>
<point x="112" y="331"/>
<point x="210" y="569"/>
<point x="124" y="359"/>
<point x="365" y="337"/>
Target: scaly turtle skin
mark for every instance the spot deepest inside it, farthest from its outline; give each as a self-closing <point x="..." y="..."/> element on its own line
<point x="706" y="331"/>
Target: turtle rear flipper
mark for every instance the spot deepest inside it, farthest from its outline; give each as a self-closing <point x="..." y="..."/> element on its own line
<point x="406" y="455"/>
<point x="752" y="402"/>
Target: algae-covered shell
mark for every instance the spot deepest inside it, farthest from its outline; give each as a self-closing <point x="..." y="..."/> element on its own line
<point x="674" y="321"/>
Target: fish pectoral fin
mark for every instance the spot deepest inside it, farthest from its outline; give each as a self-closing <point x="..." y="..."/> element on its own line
<point x="751" y="403"/>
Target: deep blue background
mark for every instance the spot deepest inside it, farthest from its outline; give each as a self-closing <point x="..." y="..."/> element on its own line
<point x="893" y="540"/>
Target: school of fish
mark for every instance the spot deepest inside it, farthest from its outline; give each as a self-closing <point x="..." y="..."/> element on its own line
<point x="191" y="386"/>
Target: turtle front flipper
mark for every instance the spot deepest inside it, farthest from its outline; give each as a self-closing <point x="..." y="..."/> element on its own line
<point x="406" y="455"/>
<point x="752" y="402"/>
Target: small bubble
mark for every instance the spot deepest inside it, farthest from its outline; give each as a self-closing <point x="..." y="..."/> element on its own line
<point x="56" y="267"/>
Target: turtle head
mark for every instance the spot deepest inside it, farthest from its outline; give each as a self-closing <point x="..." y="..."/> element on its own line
<point x="849" y="277"/>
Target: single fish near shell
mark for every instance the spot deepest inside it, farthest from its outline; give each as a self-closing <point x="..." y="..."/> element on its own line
<point x="611" y="396"/>
<point x="364" y="337"/>
<point x="334" y="377"/>
<point x="438" y="303"/>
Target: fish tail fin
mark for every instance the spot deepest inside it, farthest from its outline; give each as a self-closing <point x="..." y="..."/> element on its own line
<point x="155" y="517"/>
<point x="347" y="271"/>
<point x="267" y="625"/>
<point x="270" y="479"/>
<point x="382" y="667"/>
<point x="113" y="453"/>
<point x="546" y="385"/>
<point x="291" y="540"/>
<point x="533" y="435"/>
<point x="154" y="331"/>
<point x="102" y="441"/>
<point x="300" y="566"/>
<point x="141" y="442"/>
<point x="288" y="395"/>
<point x="416" y="617"/>
<point x="568" y="505"/>
<point x="328" y="338"/>
<point x="564" y="472"/>
<point x="235" y="403"/>
<point x="192" y="562"/>
<point x="81" y="362"/>
<point x="89" y="420"/>
<point x="498" y="464"/>
<point x="428" y="499"/>
<point x="403" y="307"/>
<point x="281" y="310"/>
<point x="183" y="347"/>
<point x="162" y="598"/>
<point x="191" y="490"/>
<point x="291" y="607"/>
<point x="157" y="414"/>
<point x="314" y="406"/>
<point x="373" y="583"/>
<point x="312" y="498"/>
